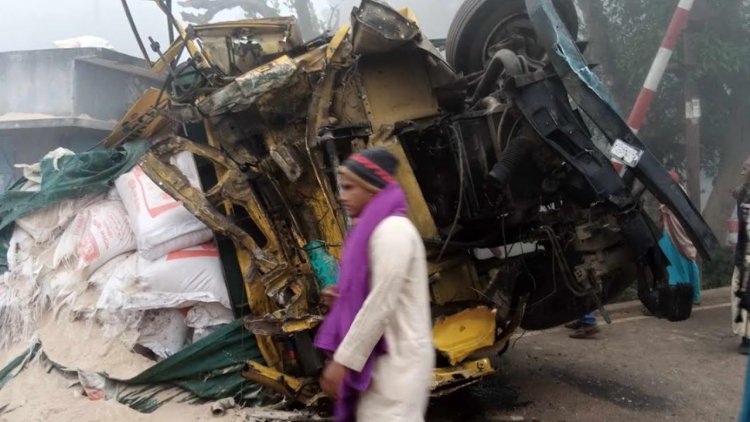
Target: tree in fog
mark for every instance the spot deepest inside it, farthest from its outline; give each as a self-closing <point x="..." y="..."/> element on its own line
<point x="625" y="35"/>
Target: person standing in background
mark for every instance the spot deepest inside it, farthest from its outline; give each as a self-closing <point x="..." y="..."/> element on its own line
<point x="679" y="250"/>
<point x="584" y="327"/>
<point x="740" y="324"/>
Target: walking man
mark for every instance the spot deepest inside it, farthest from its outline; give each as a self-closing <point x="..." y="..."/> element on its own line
<point x="379" y="330"/>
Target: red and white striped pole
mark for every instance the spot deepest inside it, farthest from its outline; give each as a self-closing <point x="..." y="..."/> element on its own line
<point x="648" y="92"/>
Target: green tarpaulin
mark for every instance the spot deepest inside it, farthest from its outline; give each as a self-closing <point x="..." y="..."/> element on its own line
<point x="16" y="365"/>
<point x="71" y="176"/>
<point x="228" y="346"/>
<point x="209" y="369"/>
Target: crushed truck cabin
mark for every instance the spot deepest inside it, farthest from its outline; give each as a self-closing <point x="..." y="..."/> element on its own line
<point x="526" y="222"/>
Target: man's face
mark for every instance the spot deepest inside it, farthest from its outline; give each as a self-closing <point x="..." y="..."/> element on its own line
<point x="353" y="196"/>
<point x="746" y="168"/>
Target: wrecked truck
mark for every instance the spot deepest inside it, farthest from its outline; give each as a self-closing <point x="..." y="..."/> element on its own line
<point x="527" y="223"/>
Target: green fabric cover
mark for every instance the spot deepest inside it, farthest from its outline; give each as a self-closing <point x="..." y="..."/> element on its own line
<point x="6" y="372"/>
<point x="324" y="265"/>
<point x="90" y="172"/>
<point x="209" y="369"/>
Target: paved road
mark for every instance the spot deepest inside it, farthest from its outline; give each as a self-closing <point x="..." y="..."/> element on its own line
<point x="637" y="369"/>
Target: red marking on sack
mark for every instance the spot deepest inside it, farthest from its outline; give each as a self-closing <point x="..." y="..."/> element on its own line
<point x="141" y="178"/>
<point x="206" y="250"/>
<point x="88" y="249"/>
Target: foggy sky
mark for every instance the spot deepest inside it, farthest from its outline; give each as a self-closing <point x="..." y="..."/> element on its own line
<point x="36" y="24"/>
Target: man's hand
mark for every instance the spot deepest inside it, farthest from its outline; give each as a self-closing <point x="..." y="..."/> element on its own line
<point x="329" y="295"/>
<point x="332" y="379"/>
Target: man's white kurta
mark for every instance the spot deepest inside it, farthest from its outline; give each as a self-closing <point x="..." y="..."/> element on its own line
<point x="398" y="306"/>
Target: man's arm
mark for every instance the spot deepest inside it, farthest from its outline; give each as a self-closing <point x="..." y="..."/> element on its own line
<point x="390" y="257"/>
<point x="740" y="249"/>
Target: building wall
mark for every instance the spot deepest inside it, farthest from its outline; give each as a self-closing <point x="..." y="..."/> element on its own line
<point x="104" y="93"/>
<point x="37" y="82"/>
<point x="96" y="82"/>
<point x="71" y="88"/>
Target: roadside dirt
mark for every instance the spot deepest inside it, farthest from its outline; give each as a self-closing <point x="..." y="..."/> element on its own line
<point x="637" y="369"/>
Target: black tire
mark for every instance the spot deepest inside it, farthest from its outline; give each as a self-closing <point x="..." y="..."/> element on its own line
<point x="476" y="20"/>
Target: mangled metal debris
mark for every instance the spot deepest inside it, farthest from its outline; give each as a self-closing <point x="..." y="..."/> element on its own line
<point x="246" y="89"/>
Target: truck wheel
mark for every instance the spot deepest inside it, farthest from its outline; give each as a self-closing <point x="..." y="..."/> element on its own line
<point x="480" y="24"/>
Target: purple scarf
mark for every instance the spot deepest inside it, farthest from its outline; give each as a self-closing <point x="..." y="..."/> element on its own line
<point x="354" y="286"/>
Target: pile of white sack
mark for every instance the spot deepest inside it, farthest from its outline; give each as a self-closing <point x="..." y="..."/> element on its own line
<point x="133" y="259"/>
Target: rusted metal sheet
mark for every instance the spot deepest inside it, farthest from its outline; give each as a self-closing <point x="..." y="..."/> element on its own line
<point x="448" y="380"/>
<point x="397" y="88"/>
<point x="144" y="119"/>
<point x="239" y="46"/>
<point x="304" y="391"/>
<point x="245" y="90"/>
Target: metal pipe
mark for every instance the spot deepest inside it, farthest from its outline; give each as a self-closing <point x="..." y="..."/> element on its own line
<point x="135" y="32"/>
<point x="169" y="23"/>
<point x="503" y="60"/>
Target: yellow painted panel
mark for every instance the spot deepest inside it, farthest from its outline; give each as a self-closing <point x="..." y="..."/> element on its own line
<point x="398" y="88"/>
<point x="459" y="335"/>
<point x="141" y="121"/>
<point x="408" y="14"/>
<point x="337" y="41"/>
<point x="454" y="284"/>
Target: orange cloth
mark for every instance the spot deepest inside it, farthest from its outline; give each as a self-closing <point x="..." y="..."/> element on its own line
<point x="677" y="233"/>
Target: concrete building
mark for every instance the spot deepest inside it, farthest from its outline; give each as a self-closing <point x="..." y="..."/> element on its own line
<point x="69" y="98"/>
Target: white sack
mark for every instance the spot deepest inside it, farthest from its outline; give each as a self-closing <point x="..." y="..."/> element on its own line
<point x="178" y="280"/>
<point x="49" y="223"/>
<point x="21" y="253"/>
<point x="205" y="318"/>
<point x="85" y="304"/>
<point x="62" y="286"/>
<point x="112" y="195"/>
<point x="204" y="315"/>
<point x="106" y="272"/>
<point x="163" y="331"/>
<point x="161" y="223"/>
<point x="99" y="233"/>
<point x="193" y="274"/>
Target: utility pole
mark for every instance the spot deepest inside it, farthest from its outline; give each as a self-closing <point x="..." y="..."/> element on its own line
<point x="655" y="74"/>
<point x="692" y="115"/>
